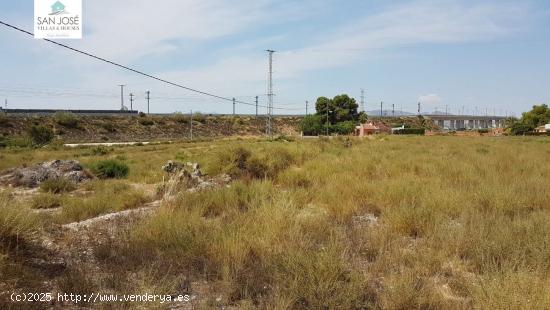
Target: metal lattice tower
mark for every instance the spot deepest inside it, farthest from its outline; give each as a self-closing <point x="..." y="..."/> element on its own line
<point x="362" y="100"/>
<point x="270" y="94"/>
<point x="122" y="97"/>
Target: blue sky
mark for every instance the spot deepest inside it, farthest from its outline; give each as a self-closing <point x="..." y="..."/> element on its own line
<point x="466" y="55"/>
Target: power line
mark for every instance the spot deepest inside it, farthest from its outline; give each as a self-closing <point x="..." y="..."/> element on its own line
<point x="138" y="71"/>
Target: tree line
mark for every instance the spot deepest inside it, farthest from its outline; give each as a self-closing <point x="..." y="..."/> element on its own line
<point x="338" y="115"/>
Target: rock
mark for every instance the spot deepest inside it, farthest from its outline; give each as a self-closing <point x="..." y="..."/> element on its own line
<point x="368" y="220"/>
<point x="190" y="181"/>
<point x="34" y="175"/>
<point x="172" y="167"/>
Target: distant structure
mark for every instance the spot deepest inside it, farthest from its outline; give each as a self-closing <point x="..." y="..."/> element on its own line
<point x="464" y="122"/>
<point x="367" y="129"/>
<point x="543" y="129"/>
<point x="25" y="112"/>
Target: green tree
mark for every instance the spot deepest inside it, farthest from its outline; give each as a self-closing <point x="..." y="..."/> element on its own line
<point x="312" y="125"/>
<point x="363" y="117"/>
<point x="344" y="128"/>
<point x="341" y="108"/>
<point x="538" y="116"/>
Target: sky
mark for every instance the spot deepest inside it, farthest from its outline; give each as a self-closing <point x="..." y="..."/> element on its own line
<point x="463" y="56"/>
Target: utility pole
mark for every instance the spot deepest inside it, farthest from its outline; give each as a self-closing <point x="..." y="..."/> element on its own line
<point x="233" y="106"/>
<point x="327" y="118"/>
<point x="121" y="97"/>
<point x="270" y="93"/>
<point x="446" y="109"/>
<point x="148" y="99"/>
<point x="393" y="110"/>
<point x="381" y="108"/>
<point x="307" y="106"/>
<point x="256" y="106"/>
<point x="419" y="104"/>
<point x="6" y="103"/>
<point x="191" y="124"/>
<point x="362" y="100"/>
<point x="131" y="101"/>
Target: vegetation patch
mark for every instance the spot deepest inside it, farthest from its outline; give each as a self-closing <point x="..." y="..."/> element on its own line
<point x="40" y="135"/>
<point x="17" y="224"/>
<point x="57" y="186"/>
<point x="110" y="169"/>
<point x="46" y="201"/>
<point x="106" y="197"/>
<point x="146" y="121"/>
<point x="66" y="119"/>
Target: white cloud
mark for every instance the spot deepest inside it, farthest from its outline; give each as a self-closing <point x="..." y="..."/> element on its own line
<point x="431" y="99"/>
<point x="127" y="31"/>
<point x="414" y="23"/>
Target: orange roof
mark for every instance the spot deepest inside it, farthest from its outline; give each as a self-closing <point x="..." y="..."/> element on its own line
<point x="370" y="126"/>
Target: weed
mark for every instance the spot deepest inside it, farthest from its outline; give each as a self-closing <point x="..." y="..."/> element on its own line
<point x="100" y="151"/>
<point x="57" y="186"/>
<point x="107" y="197"/>
<point x="17" y="224"/>
<point x="45" y="201"/>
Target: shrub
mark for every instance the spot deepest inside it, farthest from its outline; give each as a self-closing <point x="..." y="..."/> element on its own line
<point x="100" y="151"/>
<point x="239" y="162"/>
<point x="4" y="120"/>
<point x="180" y="118"/>
<point x="518" y="129"/>
<point x="45" y="201"/>
<point x="110" y="169"/>
<point x="109" y="126"/>
<point x="312" y="125"/>
<point x="344" y="128"/>
<point x="57" y="186"/>
<point x="16" y="224"/>
<point x="199" y="117"/>
<point x="232" y="161"/>
<point x="482" y="131"/>
<point x="257" y="168"/>
<point x="40" y="135"/>
<point x="66" y="119"/>
<point x="145" y="121"/>
<point x="411" y="131"/>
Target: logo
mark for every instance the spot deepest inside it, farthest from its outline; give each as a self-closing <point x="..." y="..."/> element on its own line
<point x="58" y="8"/>
<point x="54" y="19"/>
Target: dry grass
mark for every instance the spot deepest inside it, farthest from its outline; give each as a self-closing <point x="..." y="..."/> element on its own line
<point x="455" y="225"/>
<point x="17" y="224"/>
<point x="46" y="201"/>
<point x="105" y="197"/>
<point x="461" y="223"/>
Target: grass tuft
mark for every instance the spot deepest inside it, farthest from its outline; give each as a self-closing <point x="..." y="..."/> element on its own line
<point x="57" y="186"/>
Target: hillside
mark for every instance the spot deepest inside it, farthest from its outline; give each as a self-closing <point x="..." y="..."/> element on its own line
<point x="72" y="128"/>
